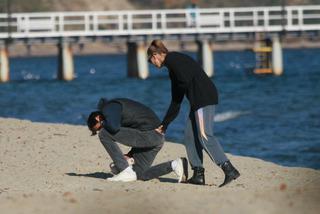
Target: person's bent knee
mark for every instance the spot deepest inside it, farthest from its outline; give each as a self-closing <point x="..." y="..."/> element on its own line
<point x="104" y="134"/>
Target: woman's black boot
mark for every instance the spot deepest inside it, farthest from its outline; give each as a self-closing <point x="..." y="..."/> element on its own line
<point x="198" y="176"/>
<point x="230" y="173"/>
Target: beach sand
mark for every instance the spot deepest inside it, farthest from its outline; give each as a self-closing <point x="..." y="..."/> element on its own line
<point x="57" y="168"/>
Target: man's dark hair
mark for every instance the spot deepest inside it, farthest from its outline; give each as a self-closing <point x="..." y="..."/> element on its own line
<point x="91" y="121"/>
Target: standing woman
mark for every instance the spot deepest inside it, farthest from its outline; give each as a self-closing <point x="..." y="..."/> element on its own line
<point x="188" y="78"/>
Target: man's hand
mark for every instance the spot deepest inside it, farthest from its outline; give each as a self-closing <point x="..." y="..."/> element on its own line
<point x="160" y="130"/>
<point x="129" y="159"/>
<point x="126" y="156"/>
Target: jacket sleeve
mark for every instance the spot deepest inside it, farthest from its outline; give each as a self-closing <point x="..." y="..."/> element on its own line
<point x="112" y="113"/>
<point x="177" y="94"/>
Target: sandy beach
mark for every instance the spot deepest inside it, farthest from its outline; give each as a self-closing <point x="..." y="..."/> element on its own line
<point x="57" y="168"/>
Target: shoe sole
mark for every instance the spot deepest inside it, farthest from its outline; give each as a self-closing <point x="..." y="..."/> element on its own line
<point x="185" y="170"/>
<point x="124" y="180"/>
<point x="200" y="184"/>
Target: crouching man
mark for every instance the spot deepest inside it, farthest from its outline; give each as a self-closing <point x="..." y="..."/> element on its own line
<point x="131" y="123"/>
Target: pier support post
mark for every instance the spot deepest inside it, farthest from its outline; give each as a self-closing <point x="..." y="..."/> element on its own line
<point x="205" y="56"/>
<point x="277" y="64"/>
<point x="137" y="60"/>
<point x="4" y="64"/>
<point x="65" y="62"/>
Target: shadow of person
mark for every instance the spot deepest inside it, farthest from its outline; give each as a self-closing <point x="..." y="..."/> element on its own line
<point x="100" y="175"/>
<point x="103" y="175"/>
<point x="167" y="180"/>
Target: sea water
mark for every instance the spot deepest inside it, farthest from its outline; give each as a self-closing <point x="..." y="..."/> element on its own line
<point x="276" y="118"/>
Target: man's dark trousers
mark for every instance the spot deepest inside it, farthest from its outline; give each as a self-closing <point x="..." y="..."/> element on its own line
<point x="145" y="146"/>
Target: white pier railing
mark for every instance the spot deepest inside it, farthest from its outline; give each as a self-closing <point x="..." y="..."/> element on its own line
<point x="158" y="22"/>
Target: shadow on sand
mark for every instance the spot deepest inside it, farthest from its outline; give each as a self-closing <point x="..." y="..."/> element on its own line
<point x="100" y="175"/>
<point x="103" y="175"/>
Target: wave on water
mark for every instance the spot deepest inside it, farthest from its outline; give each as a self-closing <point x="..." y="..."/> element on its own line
<point x="29" y="76"/>
<point x="229" y="115"/>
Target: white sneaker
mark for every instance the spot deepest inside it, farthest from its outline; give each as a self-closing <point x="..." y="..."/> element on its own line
<point x="181" y="169"/>
<point x="126" y="175"/>
<point x="114" y="169"/>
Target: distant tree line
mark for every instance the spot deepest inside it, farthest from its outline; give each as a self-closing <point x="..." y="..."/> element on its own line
<point x="50" y="5"/>
<point x="25" y="5"/>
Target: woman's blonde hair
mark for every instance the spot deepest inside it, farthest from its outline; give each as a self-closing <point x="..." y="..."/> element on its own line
<point x="156" y="46"/>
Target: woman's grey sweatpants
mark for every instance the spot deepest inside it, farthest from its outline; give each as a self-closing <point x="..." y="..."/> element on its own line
<point x="145" y="146"/>
<point x="199" y="135"/>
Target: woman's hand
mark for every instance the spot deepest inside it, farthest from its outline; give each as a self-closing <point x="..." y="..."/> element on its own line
<point x="160" y="130"/>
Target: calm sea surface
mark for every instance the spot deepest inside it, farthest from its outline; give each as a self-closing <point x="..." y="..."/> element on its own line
<point x="273" y="118"/>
